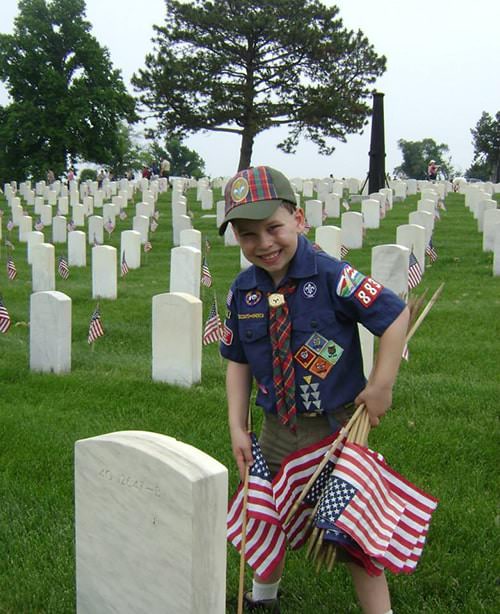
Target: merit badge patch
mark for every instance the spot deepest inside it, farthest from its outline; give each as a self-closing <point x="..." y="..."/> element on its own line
<point x="368" y="291"/>
<point x="227" y="335"/>
<point x="304" y="356"/>
<point x="309" y="289"/>
<point x="316" y="342"/>
<point x="253" y="297"/>
<point x="239" y="189"/>
<point x="309" y="393"/>
<point x="321" y="367"/>
<point x="332" y="352"/>
<point x="349" y="281"/>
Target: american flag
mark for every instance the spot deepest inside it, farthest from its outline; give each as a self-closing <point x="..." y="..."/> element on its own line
<point x="206" y="276"/>
<point x="343" y="251"/>
<point x="11" y="268"/>
<point x="71" y="226"/>
<point x="431" y="252"/>
<point x="10" y="225"/>
<point x="154" y="225"/>
<point x="289" y="483"/>
<point x="39" y="225"/>
<point x="123" y="214"/>
<point x="124" y="269"/>
<point x="213" y="325"/>
<point x="4" y="318"/>
<point x="109" y="226"/>
<point x="147" y="247"/>
<point x="414" y="272"/>
<point x="95" y="329"/>
<point x="156" y="215"/>
<point x="63" y="267"/>
<point x="265" y="540"/>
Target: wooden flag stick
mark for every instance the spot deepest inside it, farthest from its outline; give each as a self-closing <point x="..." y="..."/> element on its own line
<point x="425" y="311"/>
<point x="241" y="588"/>
<point x="343" y="432"/>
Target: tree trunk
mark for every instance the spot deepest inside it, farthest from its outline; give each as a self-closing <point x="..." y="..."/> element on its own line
<point x="247" y="138"/>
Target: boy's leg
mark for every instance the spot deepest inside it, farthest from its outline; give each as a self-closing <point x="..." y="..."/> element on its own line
<point x="263" y="590"/>
<point x="372" y="591"/>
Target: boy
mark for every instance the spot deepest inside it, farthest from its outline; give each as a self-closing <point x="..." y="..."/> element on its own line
<point x="292" y="325"/>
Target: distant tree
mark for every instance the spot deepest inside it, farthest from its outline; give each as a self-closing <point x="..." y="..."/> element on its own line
<point x="67" y="100"/>
<point x="418" y="154"/>
<point x="479" y="170"/>
<point x="127" y="154"/>
<point x="486" y="141"/>
<point x="244" y="66"/>
<point x="184" y="162"/>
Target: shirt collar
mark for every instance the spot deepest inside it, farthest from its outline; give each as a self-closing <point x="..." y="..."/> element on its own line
<point x="302" y="265"/>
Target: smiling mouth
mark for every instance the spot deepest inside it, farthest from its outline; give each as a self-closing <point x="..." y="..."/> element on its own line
<point x="271" y="258"/>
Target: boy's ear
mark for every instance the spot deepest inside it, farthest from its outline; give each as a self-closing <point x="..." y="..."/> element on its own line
<point x="300" y="219"/>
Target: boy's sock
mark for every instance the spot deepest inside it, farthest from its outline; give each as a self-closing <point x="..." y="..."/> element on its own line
<point x="261" y="592"/>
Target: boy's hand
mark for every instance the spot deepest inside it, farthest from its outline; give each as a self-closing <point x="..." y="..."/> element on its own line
<point x="242" y="450"/>
<point x="377" y="401"/>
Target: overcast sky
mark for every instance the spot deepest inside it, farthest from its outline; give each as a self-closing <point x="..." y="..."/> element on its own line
<point x="442" y="73"/>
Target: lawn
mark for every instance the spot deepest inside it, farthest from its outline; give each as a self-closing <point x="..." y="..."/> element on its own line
<point x="442" y="432"/>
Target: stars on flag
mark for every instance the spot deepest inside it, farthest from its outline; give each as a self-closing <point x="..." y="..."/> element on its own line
<point x="206" y="276"/>
<point x="95" y="328"/>
<point x="63" y="268"/>
<point x="124" y="267"/>
<point x="213" y="326"/>
<point x="414" y="272"/>
<point x="4" y="318"/>
<point x="11" y="268"/>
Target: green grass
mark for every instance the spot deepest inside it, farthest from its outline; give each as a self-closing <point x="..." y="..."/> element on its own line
<point x="441" y="433"/>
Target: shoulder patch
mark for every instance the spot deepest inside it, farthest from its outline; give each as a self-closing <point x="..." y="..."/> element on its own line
<point x="368" y="291"/>
<point x="349" y="281"/>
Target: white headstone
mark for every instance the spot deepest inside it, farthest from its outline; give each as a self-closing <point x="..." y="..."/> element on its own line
<point x="307" y="189"/>
<point x="25" y="227"/>
<point x="425" y="219"/>
<point x="50" y="332"/>
<point x="230" y="239"/>
<point x="314" y="213"/>
<point x="390" y="267"/>
<point x="490" y="219"/>
<point x="43" y="267"/>
<point x="482" y="207"/>
<point x="35" y="237"/>
<point x="180" y="223"/>
<point x="59" y="229"/>
<point x="78" y="214"/>
<point x="496" y="250"/>
<point x="77" y="250"/>
<point x="207" y="201"/>
<point x="62" y="205"/>
<point x="130" y="245"/>
<point x="104" y="269"/>
<point x="367" y="340"/>
<point x="244" y="262"/>
<point x="191" y="238"/>
<point x="146" y="209"/>
<point x="185" y="270"/>
<point x="219" y="209"/>
<point x="95" y="230"/>
<point x="329" y="238"/>
<point x="140" y="223"/>
<point x="150" y="526"/>
<point x="412" y="236"/>
<point x="177" y="338"/>
<point x="352" y="229"/>
<point x="370" y="209"/>
<point x="332" y="205"/>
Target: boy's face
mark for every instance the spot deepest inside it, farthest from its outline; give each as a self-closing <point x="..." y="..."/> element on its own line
<point x="271" y="243"/>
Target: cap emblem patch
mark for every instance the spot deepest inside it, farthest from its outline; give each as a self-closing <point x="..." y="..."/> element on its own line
<point x="239" y="189"/>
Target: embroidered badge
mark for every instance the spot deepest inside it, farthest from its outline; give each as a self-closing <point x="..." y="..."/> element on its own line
<point x="253" y="297"/>
<point x="239" y="189"/>
<point x="309" y="393"/>
<point x="251" y="316"/>
<point x="332" y="352"/>
<point x="321" y="367"/>
<point x="368" y="291"/>
<point x="316" y="342"/>
<point x="349" y="281"/>
<point x="227" y="335"/>
<point x="229" y="297"/>
<point x="304" y="356"/>
<point x="309" y="289"/>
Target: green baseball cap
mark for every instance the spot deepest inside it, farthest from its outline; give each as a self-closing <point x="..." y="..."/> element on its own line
<point x="255" y="193"/>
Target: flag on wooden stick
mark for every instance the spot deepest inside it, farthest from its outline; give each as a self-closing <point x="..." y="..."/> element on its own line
<point x="414" y="272"/>
<point x="95" y="328"/>
<point x="430" y="250"/>
<point x="124" y="268"/>
<point x="63" y="268"/>
<point x="4" y="318"/>
<point x="213" y="326"/>
<point x="206" y="276"/>
<point x="11" y="268"/>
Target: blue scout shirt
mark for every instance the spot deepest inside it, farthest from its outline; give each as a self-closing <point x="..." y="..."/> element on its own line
<point x="331" y="297"/>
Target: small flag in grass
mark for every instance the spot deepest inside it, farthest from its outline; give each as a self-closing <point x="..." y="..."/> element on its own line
<point x="39" y="224"/>
<point x="4" y="318"/>
<point x="414" y="272"/>
<point x="63" y="268"/>
<point x="212" y="330"/>
<point x="206" y="276"/>
<point x="430" y="250"/>
<point x="147" y="247"/>
<point x="154" y="225"/>
<point x="11" y="268"/>
<point x="124" y="265"/>
<point x="95" y="329"/>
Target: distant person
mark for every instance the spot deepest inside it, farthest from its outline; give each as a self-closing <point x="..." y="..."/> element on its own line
<point x="432" y="170"/>
<point x="165" y="168"/>
<point x="50" y="177"/>
<point x="286" y="270"/>
<point x="146" y="173"/>
<point x="100" y="179"/>
<point x="70" y="175"/>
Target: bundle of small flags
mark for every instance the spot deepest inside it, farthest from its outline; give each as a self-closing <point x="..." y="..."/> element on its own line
<point x="95" y="328"/>
<point x="4" y="318"/>
<point x="213" y="326"/>
<point x="63" y="267"/>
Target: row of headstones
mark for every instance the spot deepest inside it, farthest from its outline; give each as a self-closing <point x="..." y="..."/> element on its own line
<point x="479" y="201"/>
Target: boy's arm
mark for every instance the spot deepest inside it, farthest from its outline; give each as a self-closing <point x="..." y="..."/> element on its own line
<point x="238" y="388"/>
<point x="377" y="394"/>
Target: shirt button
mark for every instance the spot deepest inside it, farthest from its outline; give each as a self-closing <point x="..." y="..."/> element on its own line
<point x="314" y="324"/>
<point x="249" y="334"/>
